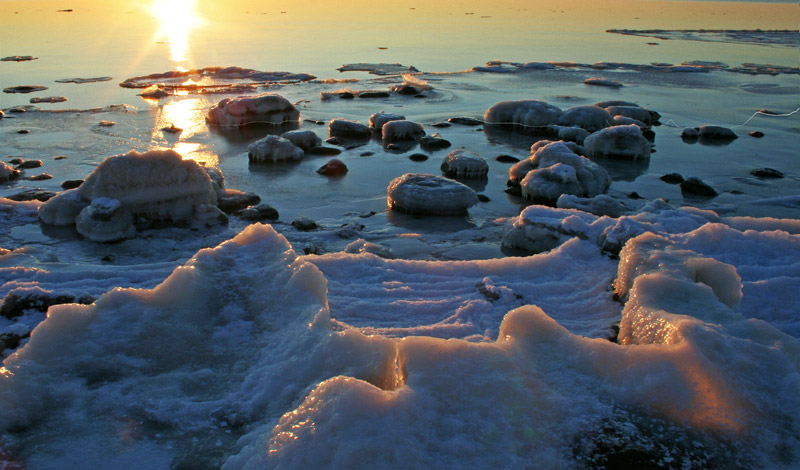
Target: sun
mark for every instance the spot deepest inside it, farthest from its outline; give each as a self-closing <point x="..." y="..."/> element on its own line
<point x="176" y="19"/>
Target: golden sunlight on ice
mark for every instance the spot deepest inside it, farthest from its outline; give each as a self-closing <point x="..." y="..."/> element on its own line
<point x="177" y="18"/>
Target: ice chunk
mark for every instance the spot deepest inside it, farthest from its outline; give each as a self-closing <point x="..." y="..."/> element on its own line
<point x="530" y="116"/>
<point x="590" y="118"/>
<point x="634" y="112"/>
<point x="464" y="164"/>
<point x="377" y="120"/>
<point x="547" y="184"/>
<point x="618" y="142"/>
<point x="273" y="149"/>
<point x="63" y="208"/>
<point x="269" y="108"/>
<point x="105" y="220"/>
<point x="429" y="195"/>
<point x="306" y="140"/>
<point x="398" y="130"/>
<point x="349" y="129"/>
<point x="571" y="134"/>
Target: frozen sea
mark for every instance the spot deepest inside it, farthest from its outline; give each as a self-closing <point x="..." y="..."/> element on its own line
<point x="648" y="327"/>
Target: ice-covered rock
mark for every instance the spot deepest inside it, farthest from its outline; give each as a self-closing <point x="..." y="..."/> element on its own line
<point x="589" y="178"/>
<point x="429" y="195"/>
<point x="274" y="149"/>
<point x="464" y="164"/>
<point x="531" y="116"/>
<point x="547" y="184"/>
<point x="348" y="129"/>
<point x="363" y="246"/>
<point x="590" y="118"/>
<point x="618" y="142"/>
<point x="634" y="112"/>
<point x="155" y="185"/>
<point x="569" y="133"/>
<point x="377" y="120"/>
<point x="626" y="121"/>
<point x="696" y="186"/>
<point x="262" y="109"/>
<point x="7" y="172"/>
<point x="105" y="220"/>
<point x="306" y="140"/>
<point x="399" y="130"/>
<point x="596" y="81"/>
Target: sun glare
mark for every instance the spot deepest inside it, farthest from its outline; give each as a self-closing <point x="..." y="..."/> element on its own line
<point x="176" y="19"/>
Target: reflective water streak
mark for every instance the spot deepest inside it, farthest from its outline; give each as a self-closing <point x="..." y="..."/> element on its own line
<point x="177" y="18"/>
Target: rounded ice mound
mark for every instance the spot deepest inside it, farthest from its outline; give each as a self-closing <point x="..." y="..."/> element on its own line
<point x="306" y="140"/>
<point x="397" y="130"/>
<point x="105" y="220"/>
<point x="273" y="149"/>
<point x="377" y="120"/>
<point x="155" y="185"/>
<point x="590" y="118"/>
<point x="618" y="142"/>
<point x="464" y="164"/>
<point x="547" y="184"/>
<point x="425" y="194"/>
<point x="525" y="115"/>
<point x="269" y="108"/>
<point x="349" y="129"/>
<point x="585" y="178"/>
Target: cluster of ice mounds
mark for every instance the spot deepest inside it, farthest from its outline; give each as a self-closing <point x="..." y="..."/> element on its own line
<point x="424" y="194"/>
<point x="464" y="164"/>
<point x="626" y="141"/>
<point x="553" y="169"/>
<point x="273" y="149"/>
<point x="525" y="115"/>
<point x="269" y="108"/>
<point x="151" y="186"/>
<point x="399" y="130"/>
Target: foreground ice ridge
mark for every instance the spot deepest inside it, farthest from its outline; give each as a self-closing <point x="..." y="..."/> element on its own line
<point x="155" y="185"/>
<point x="256" y="373"/>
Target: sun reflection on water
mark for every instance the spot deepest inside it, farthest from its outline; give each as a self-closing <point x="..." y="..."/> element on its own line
<point x="187" y="115"/>
<point x="176" y="20"/>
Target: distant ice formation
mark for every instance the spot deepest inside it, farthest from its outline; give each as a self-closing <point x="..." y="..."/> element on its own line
<point x="429" y="195"/>
<point x="269" y="108"/>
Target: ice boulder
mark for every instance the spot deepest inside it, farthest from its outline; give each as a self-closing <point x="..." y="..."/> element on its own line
<point x="377" y="120"/>
<point x="348" y="129"/>
<point x="273" y="149"/>
<point x="528" y="116"/>
<point x="618" y="142"/>
<point x="263" y="109"/>
<point x="569" y="133"/>
<point x="585" y="179"/>
<point x="7" y="172"/>
<point x="306" y="140"/>
<point x="105" y="220"/>
<point x="590" y="118"/>
<point x="429" y="195"/>
<point x="399" y="130"/>
<point x="464" y="164"/>
<point x="634" y="112"/>
<point x="155" y="185"/>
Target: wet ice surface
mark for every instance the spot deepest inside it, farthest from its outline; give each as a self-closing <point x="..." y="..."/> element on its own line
<point x="354" y="358"/>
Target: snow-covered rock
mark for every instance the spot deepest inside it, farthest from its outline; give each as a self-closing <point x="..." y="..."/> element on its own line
<point x="618" y="142"/>
<point x="349" y="129"/>
<point x="590" y="118"/>
<point x="274" y="149"/>
<point x="429" y="195"/>
<point x="464" y="164"/>
<point x="634" y="112"/>
<point x="399" y="130"/>
<point x="262" y="109"/>
<point x="531" y="116"/>
<point x="306" y="140"/>
<point x="105" y="220"/>
<point x="377" y="120"/>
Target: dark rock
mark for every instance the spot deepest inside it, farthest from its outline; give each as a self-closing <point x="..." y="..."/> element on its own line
<point x="690" y="134"/>
<point x="506" y="159"/>
<point x="314" y="121"/>
<point x="48" y="99"/>
<point x="483" y="198"/>
<point x="465" y="121"/>
<point x="28" y="164"/>
<point x="106" y="123"/>
<point x="16" y="302"/>
<point x="672" y="178"/>
<point x="171" y="129"/>
<point x="333" y="141"/>
<point x="345" y="95"/>
<point x="634" y="195"/>
<point x="696" y="186"/>
<point x="41" y="177"/>
<point x="433" y="143"/>
<point x="18" y="58"/>
<point x="10" y="341"/>
<point x="514" y="190"/>
<point x="374" y="94"/>
<point x="71" y="184"/>
<point x="349" y="230"/>
<point x="418" y="157"/>
<point x="258" y="213"/>
<point x="717" y="133"/>
<point x="324" y="151"/>
<point x="304" y="224"/>
<point x="311" y="250"/>
<point x="649" y="134"/>
<point x="32" y="194"/>
<point x="366" y="154"/>
<point x="16" y="161"/>
<point x="766" y="173"/>
<point x="234" y="200"/>
<point x="406" y="89"/>
<point x="334" y="167"/>
<point x="24" y="89"/>
<point x="23" y="131"/>
<point x="441" y="124"/>
<point x="60" y="157"/>
<point x="756" y="134"/>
